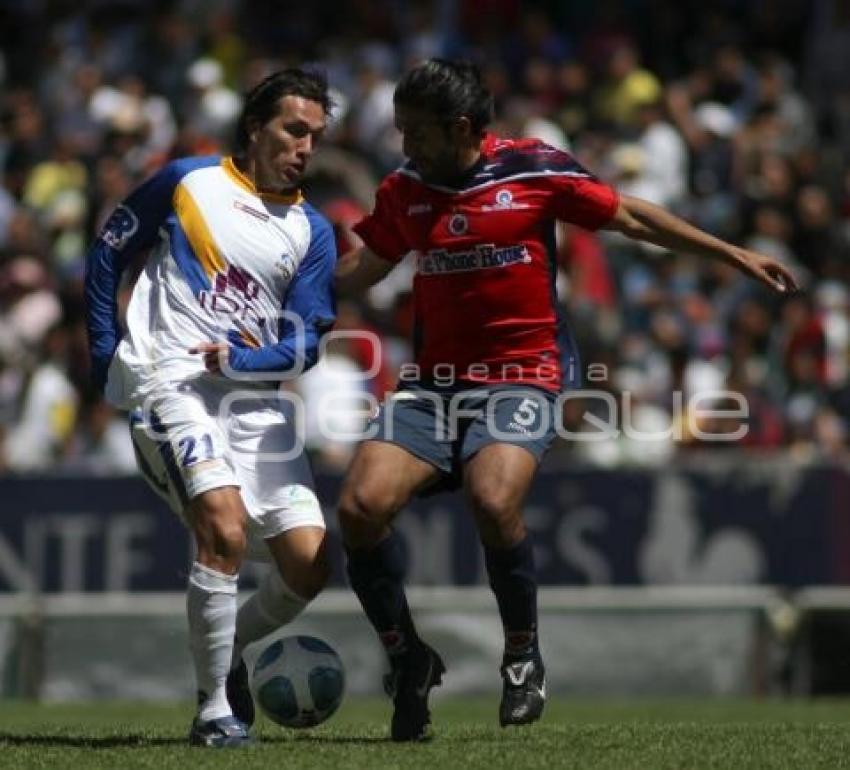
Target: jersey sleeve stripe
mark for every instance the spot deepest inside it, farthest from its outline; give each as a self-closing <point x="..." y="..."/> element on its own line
<point x="197" y="232"/>
<point x="249" y="339"/>
<point x="496" y="181"/>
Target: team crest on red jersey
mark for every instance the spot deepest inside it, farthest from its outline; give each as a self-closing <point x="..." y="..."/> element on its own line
<point x="504" y="198"/>
<point x="458" y="224"/>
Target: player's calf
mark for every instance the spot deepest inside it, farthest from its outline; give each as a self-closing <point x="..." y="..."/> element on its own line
<point x="512" y="577"/>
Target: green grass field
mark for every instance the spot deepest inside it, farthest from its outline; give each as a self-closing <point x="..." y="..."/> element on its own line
<point x="651" y="735"/>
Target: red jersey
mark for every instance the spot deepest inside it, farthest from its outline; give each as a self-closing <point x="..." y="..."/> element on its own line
<point x="484" y="292"/>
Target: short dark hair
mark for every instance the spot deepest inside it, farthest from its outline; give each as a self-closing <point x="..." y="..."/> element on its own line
<point x="261" y="101"/>
<point x="450" y="89"/>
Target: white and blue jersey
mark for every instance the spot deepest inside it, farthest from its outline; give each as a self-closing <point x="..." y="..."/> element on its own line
<point x="229" y="264"/>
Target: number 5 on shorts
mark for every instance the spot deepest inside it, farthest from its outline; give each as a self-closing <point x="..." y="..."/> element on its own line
<point x="526" y="412"/>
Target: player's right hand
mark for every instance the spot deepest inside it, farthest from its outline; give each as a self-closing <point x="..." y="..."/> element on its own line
<point x="215" y="353"/>
<point x="770" y="272"/>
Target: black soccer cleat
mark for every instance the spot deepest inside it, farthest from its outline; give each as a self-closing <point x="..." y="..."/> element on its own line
<point x="523" y="693"/>
<point x="239" y="694"/>
<point x="408" y="684"/>
<point x="223" y="733"/>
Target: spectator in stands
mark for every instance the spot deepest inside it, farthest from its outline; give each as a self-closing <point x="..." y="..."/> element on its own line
<point x="37" y="440"/>
<point x="741" y="126"/>
<point x="628" y="86"/>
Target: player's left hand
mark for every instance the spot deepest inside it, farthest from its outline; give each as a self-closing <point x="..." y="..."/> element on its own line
<point x="215" y="353"/>
<point x="769" y="271"/>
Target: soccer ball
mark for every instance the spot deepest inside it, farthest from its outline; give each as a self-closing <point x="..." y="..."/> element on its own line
<point x="298" y="681"/>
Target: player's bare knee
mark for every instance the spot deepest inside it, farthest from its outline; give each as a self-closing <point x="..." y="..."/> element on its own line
<point x="231" y="540"/>
<point x="493" y="504"/>
<point x="500" y="523"/>
<point x="307" y="573"/>
<point x="364" y="514"/>
<point x="221" y="544"/>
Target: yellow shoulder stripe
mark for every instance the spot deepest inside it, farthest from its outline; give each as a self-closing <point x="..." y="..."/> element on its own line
<point x="200" y="238"/>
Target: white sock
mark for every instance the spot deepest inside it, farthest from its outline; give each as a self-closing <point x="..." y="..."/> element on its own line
<point x="273" y="604"/>
<point x="211" y="607"/>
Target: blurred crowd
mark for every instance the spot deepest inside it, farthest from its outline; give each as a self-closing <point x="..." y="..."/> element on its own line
<point x="734" y="114"/>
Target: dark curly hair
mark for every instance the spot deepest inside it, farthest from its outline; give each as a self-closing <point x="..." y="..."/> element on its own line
<point x="261" y="101"/>
<point x="447" y="89"/>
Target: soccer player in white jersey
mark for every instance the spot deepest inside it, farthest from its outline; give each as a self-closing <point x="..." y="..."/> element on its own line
<point x="234" y="296"/>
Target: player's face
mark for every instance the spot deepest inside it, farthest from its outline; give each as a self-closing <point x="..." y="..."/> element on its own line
<point x="428" y="142"/>
<point x="282" y="147"/>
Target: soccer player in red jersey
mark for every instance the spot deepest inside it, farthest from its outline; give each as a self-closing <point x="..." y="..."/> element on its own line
<point x="477" y="408"/>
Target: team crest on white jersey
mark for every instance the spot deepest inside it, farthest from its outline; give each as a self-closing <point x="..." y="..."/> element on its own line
<point x="286" y="266"/>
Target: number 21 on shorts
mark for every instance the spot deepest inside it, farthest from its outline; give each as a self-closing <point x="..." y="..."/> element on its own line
<point x="189" y="445"/>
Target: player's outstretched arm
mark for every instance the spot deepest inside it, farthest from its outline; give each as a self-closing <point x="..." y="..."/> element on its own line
<point x="644" y="221"/>
<point x="359" y="269"/>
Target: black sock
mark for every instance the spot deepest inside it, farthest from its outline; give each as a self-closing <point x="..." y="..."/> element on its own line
<point x="514" y="581"/>
<point x="377" y="577"/>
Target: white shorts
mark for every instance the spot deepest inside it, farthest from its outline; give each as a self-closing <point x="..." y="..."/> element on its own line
<point x="203" y="434"/>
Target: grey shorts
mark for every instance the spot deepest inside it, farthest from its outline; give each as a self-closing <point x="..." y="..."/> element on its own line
<point x="446" y="427"/>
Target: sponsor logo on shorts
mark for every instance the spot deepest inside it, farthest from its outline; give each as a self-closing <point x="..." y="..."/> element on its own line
<point x="301" y="498"/>
<point x="519" y="429"/>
